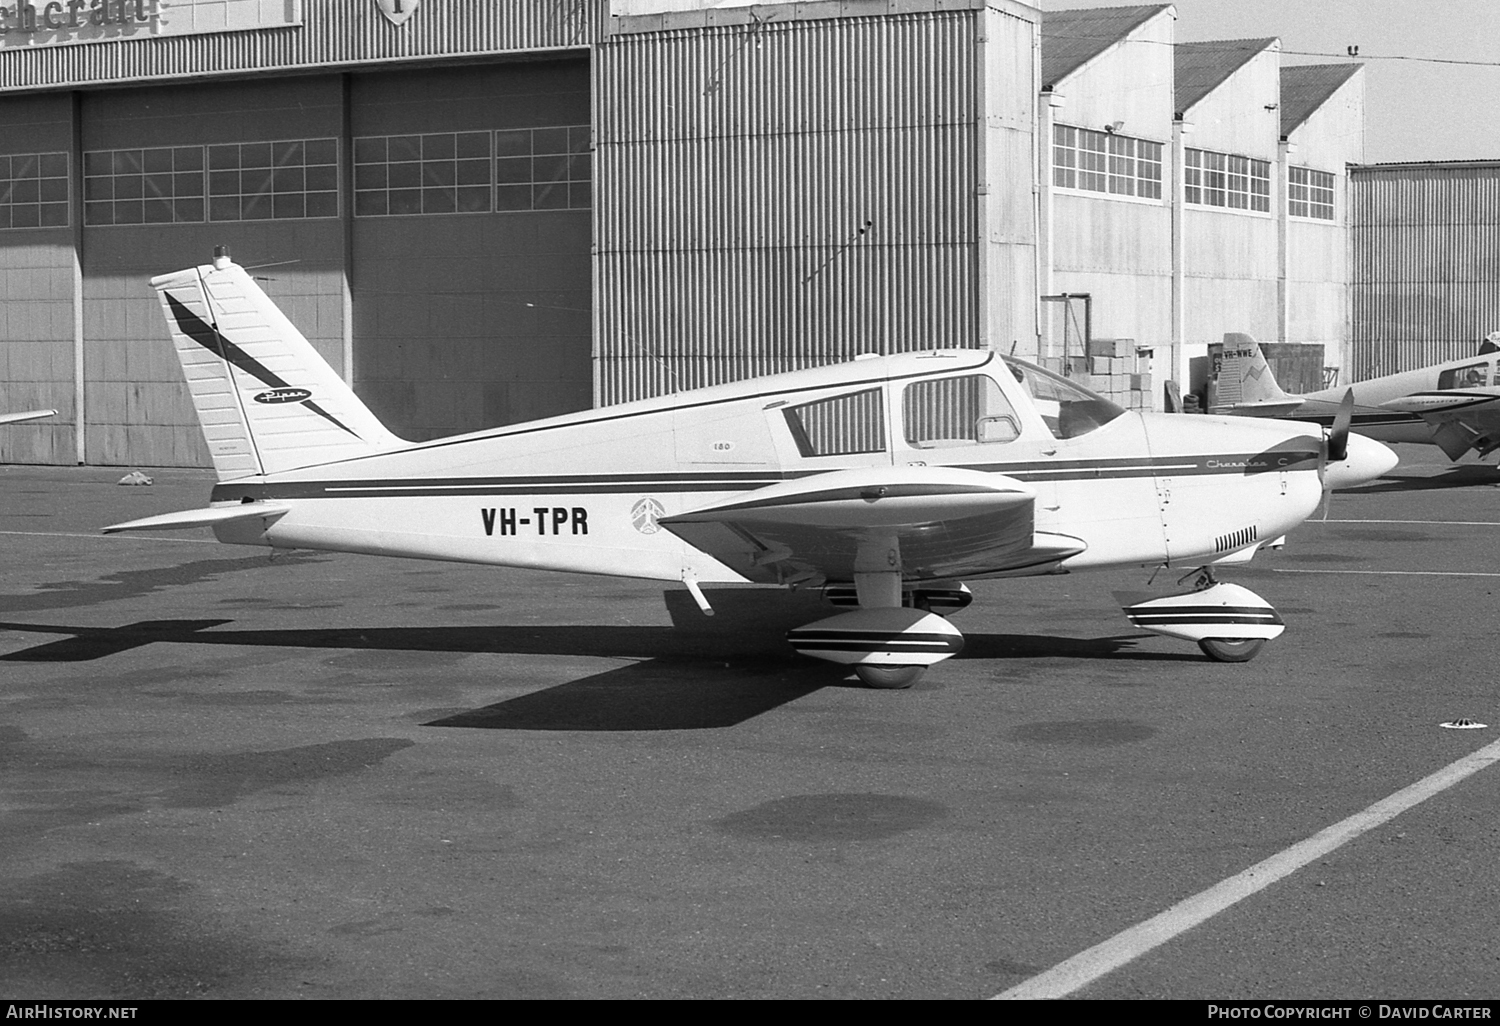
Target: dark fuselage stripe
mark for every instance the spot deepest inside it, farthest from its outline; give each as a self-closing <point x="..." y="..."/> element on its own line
<point x="1242" y="464"/>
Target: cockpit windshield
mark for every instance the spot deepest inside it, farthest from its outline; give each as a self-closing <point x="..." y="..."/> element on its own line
<point x="1069" y="409"/>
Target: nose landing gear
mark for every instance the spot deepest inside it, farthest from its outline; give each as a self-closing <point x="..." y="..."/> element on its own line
<point x="1228" y="622"/>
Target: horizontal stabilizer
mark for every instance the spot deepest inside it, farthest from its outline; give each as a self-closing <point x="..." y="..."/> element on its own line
<point x="212" y="517"/>
<point x="1265" y="408"/>
<point x="16" y="418"/>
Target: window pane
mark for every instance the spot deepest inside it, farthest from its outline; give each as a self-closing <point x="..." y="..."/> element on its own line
<point x="843" y="425"/>
<point x="952" y="412"/>
<point x="513" y="143"/>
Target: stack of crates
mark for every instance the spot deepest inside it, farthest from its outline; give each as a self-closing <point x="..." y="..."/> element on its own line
<point x="1114" y="368"/>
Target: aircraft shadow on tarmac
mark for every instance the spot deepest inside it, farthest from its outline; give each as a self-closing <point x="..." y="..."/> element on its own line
<point x="700" y="673"/>
<point x="1470" y="475"/>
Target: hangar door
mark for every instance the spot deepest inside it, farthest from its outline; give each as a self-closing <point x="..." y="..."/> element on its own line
<point x="471" y="244"/>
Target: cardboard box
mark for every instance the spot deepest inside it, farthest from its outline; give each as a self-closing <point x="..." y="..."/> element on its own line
<point x="1116" y="348"/>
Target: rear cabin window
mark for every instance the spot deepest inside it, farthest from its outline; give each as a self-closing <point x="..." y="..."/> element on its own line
<point x="1475" y="375"/>
<point x="840" y="426"/>
<point x="949" y="412"/>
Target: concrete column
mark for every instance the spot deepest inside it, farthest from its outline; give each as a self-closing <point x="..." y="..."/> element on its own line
<point x="1284" y="150"/>
<point x="1176" y="174"/>
<point x="75" y="216"/>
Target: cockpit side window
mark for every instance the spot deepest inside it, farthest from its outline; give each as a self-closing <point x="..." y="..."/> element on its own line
<point x="1067" y="408"/>
<point x="841" y="426"/>
<point x="946" y="412"/>
<point x="1474" y="375"/>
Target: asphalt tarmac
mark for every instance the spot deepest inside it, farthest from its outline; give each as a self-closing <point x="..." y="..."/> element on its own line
<point x="228" y="776"/>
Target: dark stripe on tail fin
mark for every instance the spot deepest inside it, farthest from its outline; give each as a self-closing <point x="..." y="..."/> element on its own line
<point x="207" y="336"/>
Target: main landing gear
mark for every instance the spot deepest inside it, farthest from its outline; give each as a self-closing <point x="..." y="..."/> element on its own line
<point x="1228" y="622"/>
<point x="888" y="643"/>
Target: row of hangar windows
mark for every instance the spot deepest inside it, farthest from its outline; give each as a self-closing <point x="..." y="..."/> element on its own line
<point x="512" y="170"/>
<point x="1121" y="165"/>
<point x="436" y="173"/>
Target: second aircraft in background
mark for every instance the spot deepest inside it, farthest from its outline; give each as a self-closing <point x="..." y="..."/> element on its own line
<point x="1454" y="406"/>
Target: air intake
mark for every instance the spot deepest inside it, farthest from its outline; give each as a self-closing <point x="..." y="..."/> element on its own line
<point x="1235" y="540"/>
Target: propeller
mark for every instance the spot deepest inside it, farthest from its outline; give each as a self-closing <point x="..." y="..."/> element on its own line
<point x="1338" y="435"/>
<point x="1336" y="445"/>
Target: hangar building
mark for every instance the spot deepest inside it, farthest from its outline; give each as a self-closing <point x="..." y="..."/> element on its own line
<point x="483" y="213"/>
<point x="1426" y="281"/>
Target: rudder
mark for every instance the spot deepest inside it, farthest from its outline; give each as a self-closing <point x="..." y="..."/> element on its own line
<point x="267" y="402"/>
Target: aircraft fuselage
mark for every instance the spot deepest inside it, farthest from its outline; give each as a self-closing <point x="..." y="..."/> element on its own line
<point x="587" y="492"/>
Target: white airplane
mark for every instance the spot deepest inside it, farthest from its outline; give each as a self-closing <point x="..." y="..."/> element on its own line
<point x="16" y="418"/>
<point x="1454" y="406"/>
<point x="886" y="480"/>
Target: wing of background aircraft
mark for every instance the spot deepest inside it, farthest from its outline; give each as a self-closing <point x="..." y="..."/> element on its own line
<point x="16" y="418"/>
<point x="1462" y="419"/>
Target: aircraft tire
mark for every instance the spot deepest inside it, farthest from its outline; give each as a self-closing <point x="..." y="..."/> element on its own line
<point x="1231" y="650"/>
<point x="888" y="677"/>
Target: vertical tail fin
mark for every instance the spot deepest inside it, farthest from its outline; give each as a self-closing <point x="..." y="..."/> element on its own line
<point x="1243" y="375"/>
<point x="266" y="400"/>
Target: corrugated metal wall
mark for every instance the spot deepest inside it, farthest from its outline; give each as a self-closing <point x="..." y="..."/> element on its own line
<point x="780" y="195"/>
<point x="1426" y="274"/>
<point x="333" y="32"/>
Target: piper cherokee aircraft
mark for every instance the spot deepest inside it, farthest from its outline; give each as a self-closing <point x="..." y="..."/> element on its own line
<point x="886" y="480"/>
<point x="16" y="418"/>
<point x="1454" y="406"/>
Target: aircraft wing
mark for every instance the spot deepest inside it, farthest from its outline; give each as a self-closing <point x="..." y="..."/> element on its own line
<point x="1465" y="418"/>
<point x="931" y="522"/>
<point x="16" y="418"/>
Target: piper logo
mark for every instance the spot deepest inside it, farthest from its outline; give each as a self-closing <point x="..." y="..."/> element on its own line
<point x="644" y="514"/>
<point x="283" y="395"/>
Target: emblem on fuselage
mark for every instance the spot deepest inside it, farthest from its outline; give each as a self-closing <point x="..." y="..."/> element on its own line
<point x="397" y="12"/>
<point x="282" y="395"/>
<point x="644" y="515"/>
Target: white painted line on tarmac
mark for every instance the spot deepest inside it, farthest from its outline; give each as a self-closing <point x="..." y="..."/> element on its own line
<point x="101" y="537"/>
<point x="1433" y="523"/>
<point x="1087" y="966"/>
<point x="1393" y="573"/>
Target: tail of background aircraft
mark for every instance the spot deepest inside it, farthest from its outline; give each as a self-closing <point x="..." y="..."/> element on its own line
<point x="1244" y="377"/>
<point x="265" y="398"/>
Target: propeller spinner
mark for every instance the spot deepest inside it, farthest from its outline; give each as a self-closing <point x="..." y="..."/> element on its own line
<point x="1350" y="460"/>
